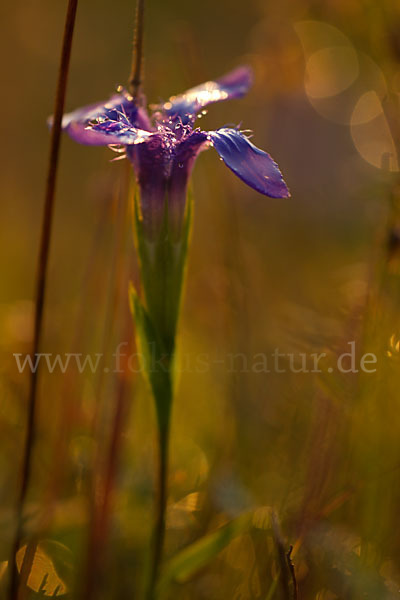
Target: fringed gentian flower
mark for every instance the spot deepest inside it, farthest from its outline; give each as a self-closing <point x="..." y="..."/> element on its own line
<point x="163" y="148"/>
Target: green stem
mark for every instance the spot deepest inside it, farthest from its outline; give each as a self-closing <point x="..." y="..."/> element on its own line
<point x="41" y="286"/>
<point x="160" y="511"/>
<point x="162" y="266"/>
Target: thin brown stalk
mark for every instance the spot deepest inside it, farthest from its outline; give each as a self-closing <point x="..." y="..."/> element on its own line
<point x="282" y="557"/>
<point x="105" y="467"/>
<point x="68" y="404"/>
<point x="41" y="284"/>
<point x="292" y="572"/>
<point x="119" y="201"/>
<point x="135" y="77"/>
<point x="102" y="518"/>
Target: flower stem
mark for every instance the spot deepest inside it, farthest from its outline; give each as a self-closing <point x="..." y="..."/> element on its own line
<point x="135" y="78"/>
<point x="161" y="506"/>
<point x="162" y="267"/>
<point x="41" y="284"/>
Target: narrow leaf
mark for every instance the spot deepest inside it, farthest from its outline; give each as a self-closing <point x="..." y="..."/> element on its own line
<point x="203" y="551"/>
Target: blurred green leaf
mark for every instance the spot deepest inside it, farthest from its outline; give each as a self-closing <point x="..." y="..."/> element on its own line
<point x="200" y="553"/>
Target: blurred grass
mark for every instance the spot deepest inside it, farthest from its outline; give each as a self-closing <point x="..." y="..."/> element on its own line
<point x="308" y="274"/>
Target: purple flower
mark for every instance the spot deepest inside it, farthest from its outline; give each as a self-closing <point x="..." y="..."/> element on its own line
<point x="163" y="147"/>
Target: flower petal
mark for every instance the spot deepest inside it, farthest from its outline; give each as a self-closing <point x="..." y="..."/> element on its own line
<point x="119" y="109"/>
<point x="118" y="132"/>
<point x="233" y="85"/>
<point x="252" y="165"/>
<point x="189" y="148"/>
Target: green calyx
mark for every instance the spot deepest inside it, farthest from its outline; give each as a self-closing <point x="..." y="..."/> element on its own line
<point x="162" y="267"/>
